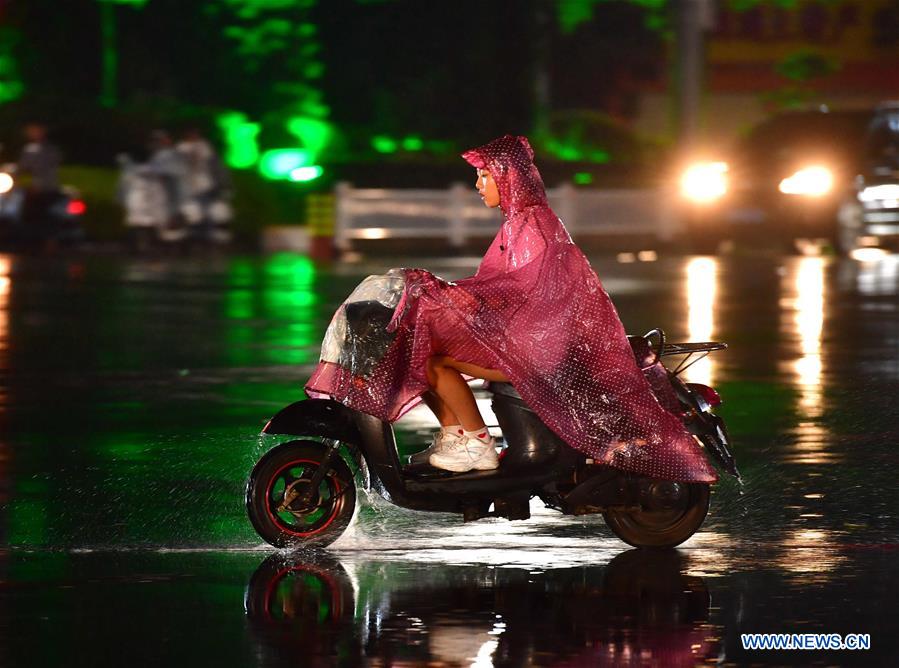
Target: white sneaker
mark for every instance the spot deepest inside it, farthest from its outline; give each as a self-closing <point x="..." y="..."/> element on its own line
<point x="466" y="454"/>
<point x="442" y="439"/>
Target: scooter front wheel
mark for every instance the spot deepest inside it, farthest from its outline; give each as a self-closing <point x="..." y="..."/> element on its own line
<point x="670" y="512"/>
<point x="285" y="511"/>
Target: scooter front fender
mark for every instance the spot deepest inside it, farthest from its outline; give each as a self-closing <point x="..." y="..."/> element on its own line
<point x="315" y="417"/>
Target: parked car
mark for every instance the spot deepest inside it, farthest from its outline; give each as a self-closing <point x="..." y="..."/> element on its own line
<point x="784" y="180"/>
<point x="869" y="216"/>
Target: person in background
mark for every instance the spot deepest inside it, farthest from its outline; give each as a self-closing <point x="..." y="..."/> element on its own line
<point x="205" y="183"/>
<point x="39" y="160"/>
<point x="166" y="165"/>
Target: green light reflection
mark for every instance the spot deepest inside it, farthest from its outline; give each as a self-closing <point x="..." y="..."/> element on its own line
<point x="29" y="513"/>
<point x="272" y="314"/>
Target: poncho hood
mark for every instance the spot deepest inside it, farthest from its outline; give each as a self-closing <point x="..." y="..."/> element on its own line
<point x="510" y="160"/>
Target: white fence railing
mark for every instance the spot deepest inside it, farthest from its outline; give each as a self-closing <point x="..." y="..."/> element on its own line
<point x="457" y="213"/>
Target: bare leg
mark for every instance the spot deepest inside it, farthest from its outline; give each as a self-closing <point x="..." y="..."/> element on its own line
<point x="476" y="371"/>
<point x="444" y="415"/>
<point x="445" y="375"/>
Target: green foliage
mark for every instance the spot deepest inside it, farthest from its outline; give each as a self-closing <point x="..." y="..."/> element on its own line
<point x="256" y="42"/>
<point x="314" y="134"/>
<point x="806" y="65"/>
<point x="571" y="13"/>
<point x="586" y="136"/>
<point x="280" y="38"/>
<point x="413" y="144"/>
<point x="110" y="50"/>
<point x="384" y="144"/>
<point x="11" y="85"/>
<point x="252" y="9"/>
<point x="240" y="135"/>
<point x="801" y="69"/>
<point x="583" y="178"/>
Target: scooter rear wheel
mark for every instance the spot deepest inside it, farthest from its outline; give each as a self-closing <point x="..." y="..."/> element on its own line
<point x="279" y="504"/>
<point x="670" y="513"/>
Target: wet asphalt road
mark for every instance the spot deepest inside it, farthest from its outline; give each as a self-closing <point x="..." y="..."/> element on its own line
<point x="131" y="397"/>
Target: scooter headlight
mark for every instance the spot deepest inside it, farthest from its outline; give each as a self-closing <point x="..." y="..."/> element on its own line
<point x="814" y="181"/>
<point x="6" y="183"/>
<point x="704" y="182"/>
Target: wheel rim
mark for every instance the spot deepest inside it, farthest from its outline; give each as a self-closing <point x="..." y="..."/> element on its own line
<point x="315" y="590"/>
<point x="294" y="517"/>
<point x="669" y="505"/>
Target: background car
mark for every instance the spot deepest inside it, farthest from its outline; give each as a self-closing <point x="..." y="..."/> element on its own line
<point x="786" y="179"/>
<point x="869" y="216"/>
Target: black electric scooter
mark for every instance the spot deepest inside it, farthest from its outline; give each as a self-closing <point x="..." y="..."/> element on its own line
<point x="303" y="492"/>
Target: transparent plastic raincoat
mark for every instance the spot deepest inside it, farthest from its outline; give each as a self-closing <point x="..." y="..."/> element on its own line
<point x="535" y="310"/>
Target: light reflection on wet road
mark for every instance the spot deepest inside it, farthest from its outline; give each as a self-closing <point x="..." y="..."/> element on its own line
<point x="131" y="396"/>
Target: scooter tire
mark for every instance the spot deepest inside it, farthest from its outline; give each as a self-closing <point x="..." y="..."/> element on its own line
<point x="662" y="529"/>
<point x="318" y="526"/>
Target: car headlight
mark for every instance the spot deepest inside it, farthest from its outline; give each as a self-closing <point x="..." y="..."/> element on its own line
<point x="813" y="181"/>
<point x="885" y="191"/>
<point x="704" y="181"/>
<point x="6" y="183"/>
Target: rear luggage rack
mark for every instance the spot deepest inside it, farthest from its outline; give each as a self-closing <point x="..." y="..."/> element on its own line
<point x="655" y="340"/>
<point x="690" y="348"/>
<point x="700" y="349"/>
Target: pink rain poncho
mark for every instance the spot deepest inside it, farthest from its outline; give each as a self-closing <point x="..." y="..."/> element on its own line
<point x="534" y="310"/>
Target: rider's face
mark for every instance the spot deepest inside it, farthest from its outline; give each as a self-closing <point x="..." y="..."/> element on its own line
<point x="487" y="188"/>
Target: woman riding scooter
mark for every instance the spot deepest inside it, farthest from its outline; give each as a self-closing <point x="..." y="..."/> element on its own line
<point x="535" y="315"/>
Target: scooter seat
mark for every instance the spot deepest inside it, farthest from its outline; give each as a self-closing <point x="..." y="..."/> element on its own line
<point x="504" y="389"/>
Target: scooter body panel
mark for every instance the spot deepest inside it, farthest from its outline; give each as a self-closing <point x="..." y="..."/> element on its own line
<point x="375" y="440"/>
<point x="315" y="417"/>
<point x="444" y="492"/>
<point x="531" y="444"/>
